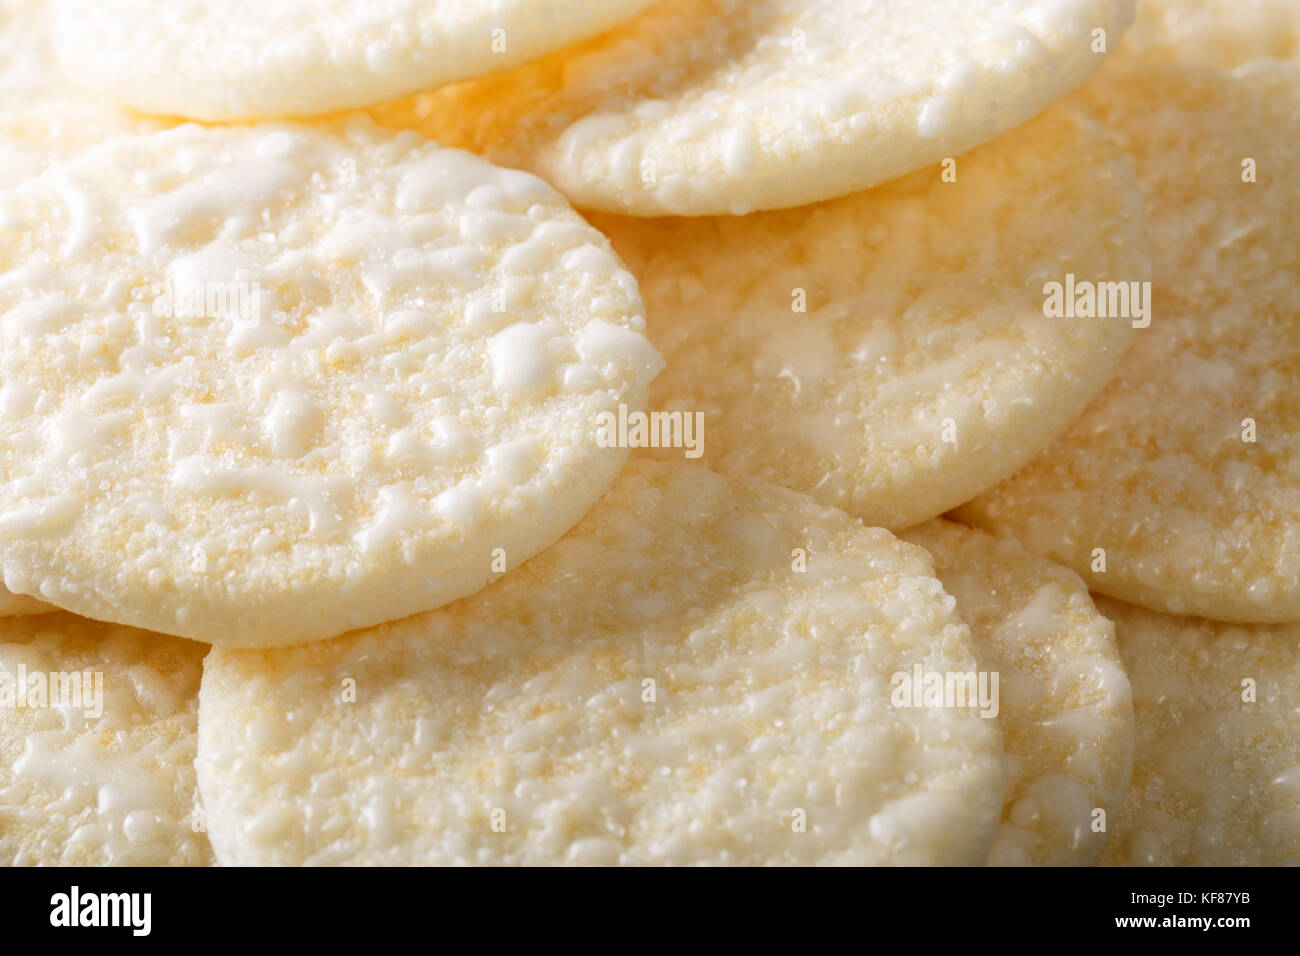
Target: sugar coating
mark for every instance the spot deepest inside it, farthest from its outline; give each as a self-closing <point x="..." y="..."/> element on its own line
<point x="1065" y="702"/>
<point x="1191" y="517"/>
<point x="34" y="136"/>
<point x="387" y="389"/>
<point x="710" y="107"/>
<point x="923" y="370"/>
<point x="770" y="695"/>
<point x="1212" y="33"/>
<point x="1216" y="781"/>
<point x="115" y="789"/>
<point x="239" y="59"/>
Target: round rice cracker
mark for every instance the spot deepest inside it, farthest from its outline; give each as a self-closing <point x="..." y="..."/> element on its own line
<point x="1176" y="490"/>
<point x="1212" y="33"/>
<point x="1216" y="781"/>
<point x="42" y="114"/>
<point x="888" y="352"/>
<point x="666" y="685"/>
<point x="709" y="107"/>
<point x="31" y="137"/>
<point x="387" y="390"/>
<point x="244" y="59"/>
<point x="1063" y="697"/>
<point x="27" y="71"/>
<point x="31" y="82"/>
<point x="97" y="756"/>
